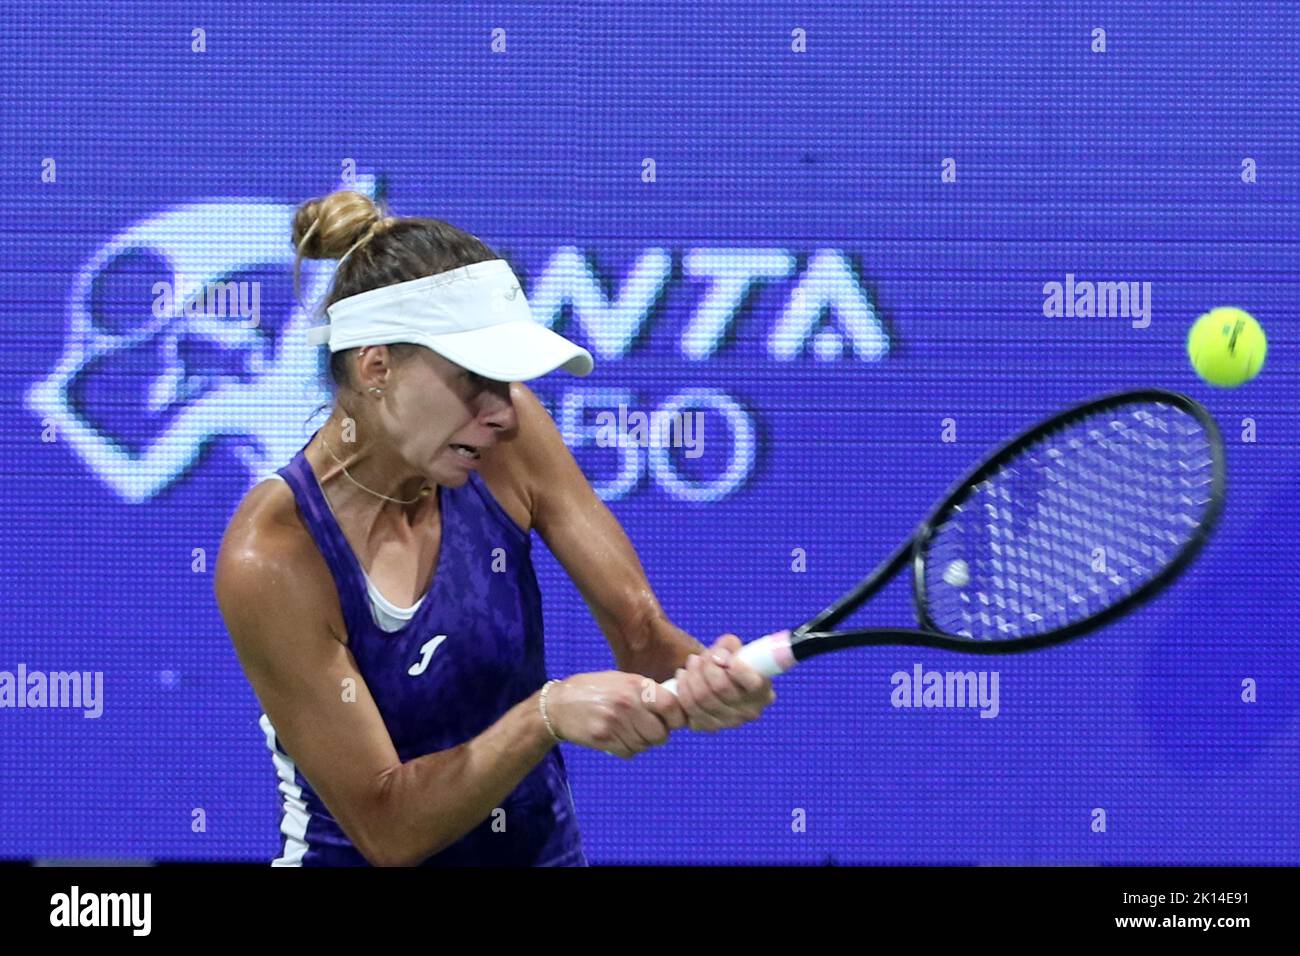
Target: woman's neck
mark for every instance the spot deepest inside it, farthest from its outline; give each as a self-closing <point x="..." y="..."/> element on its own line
<point x="363" y="481"/>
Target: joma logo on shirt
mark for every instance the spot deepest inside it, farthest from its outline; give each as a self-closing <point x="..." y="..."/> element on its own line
<point x="426" y="653"/>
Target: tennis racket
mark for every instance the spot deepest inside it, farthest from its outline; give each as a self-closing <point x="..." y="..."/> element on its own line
<point x="1077" y="521"/>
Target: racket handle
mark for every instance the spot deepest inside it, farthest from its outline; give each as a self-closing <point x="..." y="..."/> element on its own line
<point x="769" y="655"/>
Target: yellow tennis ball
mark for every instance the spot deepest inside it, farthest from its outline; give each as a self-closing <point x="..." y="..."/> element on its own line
<point x="1227" y="346"/>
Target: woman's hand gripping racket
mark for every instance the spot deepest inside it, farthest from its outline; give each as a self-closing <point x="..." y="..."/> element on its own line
<point x="1079" y="520"/>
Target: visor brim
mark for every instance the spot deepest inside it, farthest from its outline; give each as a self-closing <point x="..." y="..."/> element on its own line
<point x="511" y="351"/>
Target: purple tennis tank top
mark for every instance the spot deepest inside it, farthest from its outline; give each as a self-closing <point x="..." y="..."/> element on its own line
<point x="471" y="651"/>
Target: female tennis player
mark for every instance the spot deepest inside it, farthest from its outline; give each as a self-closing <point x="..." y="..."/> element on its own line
<point x="380" y="594"/>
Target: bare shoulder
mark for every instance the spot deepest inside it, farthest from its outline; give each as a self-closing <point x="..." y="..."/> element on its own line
<point x="514" y="468"/>
<point x="269" y="563"/>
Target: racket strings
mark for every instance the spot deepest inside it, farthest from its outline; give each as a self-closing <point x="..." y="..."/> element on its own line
<point x="1075" y="522"/>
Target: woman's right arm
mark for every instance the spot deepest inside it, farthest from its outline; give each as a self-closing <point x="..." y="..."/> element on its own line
<point x="273" y="598"/>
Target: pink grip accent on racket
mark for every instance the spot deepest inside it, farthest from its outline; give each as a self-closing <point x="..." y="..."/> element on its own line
<point x="769" y="655"/>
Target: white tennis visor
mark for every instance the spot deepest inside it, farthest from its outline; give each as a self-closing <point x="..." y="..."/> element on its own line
<point x="476" y="316"/>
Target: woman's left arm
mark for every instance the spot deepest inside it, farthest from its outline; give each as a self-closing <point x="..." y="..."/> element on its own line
<point x="716" y="689"/>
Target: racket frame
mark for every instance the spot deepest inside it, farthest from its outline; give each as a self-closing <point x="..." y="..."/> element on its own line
<point x="818" y="637"/>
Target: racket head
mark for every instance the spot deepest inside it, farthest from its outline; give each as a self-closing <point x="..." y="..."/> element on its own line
<point x="1008" y="560"/>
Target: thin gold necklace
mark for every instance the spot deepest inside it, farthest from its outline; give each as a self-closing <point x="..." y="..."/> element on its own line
<point x="423" y="491"/>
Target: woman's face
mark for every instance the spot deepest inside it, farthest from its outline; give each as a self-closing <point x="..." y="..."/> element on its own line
<point x="443" y="418"/>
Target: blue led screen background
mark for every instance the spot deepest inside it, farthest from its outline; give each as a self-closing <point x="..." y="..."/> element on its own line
<point x="853" y="212"/>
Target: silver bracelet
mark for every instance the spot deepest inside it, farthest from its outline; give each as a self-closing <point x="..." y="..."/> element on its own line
<point x="541" y="705"/>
